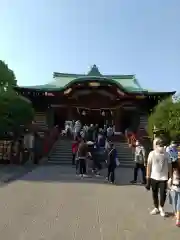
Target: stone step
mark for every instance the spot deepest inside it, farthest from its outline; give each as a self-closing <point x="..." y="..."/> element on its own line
<point x="62" y="154"/>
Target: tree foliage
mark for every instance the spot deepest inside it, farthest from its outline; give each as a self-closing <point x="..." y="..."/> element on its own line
<point x="15" y="110"/>
<point x="166" y="118"/>
<point x="7" y="76"/>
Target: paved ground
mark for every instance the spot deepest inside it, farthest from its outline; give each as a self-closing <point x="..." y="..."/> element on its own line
<point x="9" y="173"/>
<point x="51" y="203"/>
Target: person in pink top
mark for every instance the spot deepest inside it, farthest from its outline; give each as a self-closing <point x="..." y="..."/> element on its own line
<point x="75" y="145"/>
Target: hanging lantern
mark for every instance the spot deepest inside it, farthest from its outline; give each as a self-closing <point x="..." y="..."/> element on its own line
<point x="103" y="113"/>
<point x="78" y="110"/>
<point x="83" y="113"/>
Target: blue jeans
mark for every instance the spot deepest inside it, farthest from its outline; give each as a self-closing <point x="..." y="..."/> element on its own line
<point x="175" y="200"/>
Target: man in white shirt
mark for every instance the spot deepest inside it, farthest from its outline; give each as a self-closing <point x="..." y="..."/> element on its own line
<point x="77" y="129"/>
<point x="109" y="132"/>
<point x="29" y="144"/>
<point x="158" y="169"/>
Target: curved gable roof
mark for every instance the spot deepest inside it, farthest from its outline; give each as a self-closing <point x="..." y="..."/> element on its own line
<point x="61" y="81"/>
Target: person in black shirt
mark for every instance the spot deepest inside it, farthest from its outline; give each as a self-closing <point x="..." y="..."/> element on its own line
<point x="111" y="162"/>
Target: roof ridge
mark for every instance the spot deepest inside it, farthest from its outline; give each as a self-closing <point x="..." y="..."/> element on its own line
<point x="58" y="74"/>
<point x="123" y="76"/>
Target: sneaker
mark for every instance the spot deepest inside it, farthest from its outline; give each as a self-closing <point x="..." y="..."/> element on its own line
<point x="154" y="211"/>
<point x="162" y="213"/>
<point x="85" y="175"/>
<point x="112" y="183"/>
<point x="97" y="175"/>
<point x="178" y="223"/>
<point x="133" y="181"/>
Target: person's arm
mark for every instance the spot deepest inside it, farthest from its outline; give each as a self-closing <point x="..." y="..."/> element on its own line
<point x="170" y="171"/>
<point x="149" y="165"/>
<point x="148" y="170"/>
<point x="144" y="155"/>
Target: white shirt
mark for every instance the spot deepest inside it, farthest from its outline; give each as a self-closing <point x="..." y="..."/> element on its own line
<point x="77" y="126"/>
<point x="29" y="140"/>
<point x="159" y="165"/>
<point x="175" y="182"/>
<point x="139" y="154"/>
<point x="109" y="131"/>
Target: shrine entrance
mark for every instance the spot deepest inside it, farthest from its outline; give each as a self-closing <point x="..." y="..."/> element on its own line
<point x="95" y="116"/>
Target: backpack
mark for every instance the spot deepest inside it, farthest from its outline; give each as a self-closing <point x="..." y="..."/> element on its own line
<point x="140" y="157"/>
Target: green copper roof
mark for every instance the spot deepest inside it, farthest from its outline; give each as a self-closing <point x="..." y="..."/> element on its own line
<point x="62" y="81"/>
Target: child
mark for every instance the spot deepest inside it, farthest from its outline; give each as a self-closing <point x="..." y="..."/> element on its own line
<point x="174" y="185"/>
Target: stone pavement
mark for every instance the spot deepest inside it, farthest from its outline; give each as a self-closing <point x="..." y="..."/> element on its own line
<point x="9" y="173"/>
<point x="50" y="203"/>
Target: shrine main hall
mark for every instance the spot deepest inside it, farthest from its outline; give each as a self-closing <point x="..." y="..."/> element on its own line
<point x="93" y="98"/>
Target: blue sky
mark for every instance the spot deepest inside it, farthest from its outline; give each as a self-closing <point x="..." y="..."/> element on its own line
<point x="119" y="36"/>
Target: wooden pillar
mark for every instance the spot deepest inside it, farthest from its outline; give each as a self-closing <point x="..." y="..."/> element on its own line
<point x="50" y="117"/>
<point x="70" y="114"/>
<point x="117" y="122"/>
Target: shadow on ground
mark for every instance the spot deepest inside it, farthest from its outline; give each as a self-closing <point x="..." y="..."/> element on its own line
<point x="66" y="174"/>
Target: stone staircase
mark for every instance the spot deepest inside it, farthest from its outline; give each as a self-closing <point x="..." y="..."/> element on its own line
<point x="125" y="154"/>
<point x="61" y="152"/>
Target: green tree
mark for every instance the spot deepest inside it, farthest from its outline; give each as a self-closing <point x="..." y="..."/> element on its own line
<point x="7" y="77"/>
<point x="166" y="118"/>
<point x="15" y="110"/>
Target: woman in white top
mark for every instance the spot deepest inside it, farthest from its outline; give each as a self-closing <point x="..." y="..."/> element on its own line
<point x="158" y="169"/>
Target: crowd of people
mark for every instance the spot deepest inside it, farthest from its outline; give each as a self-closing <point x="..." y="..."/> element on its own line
<point x="160" y="170"/>
<point x="93" y="149"/>
<point x="89" y="132"/>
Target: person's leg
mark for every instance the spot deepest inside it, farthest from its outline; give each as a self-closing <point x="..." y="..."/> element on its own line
<point x="112" y="174"/>
<point x="135" y="173"/>
<point x="143" y="172"/>
<point x="163" y="188"/>
<point x="109" y="172"/>
<point x="155" y="187"/>
<point x="178" y="209"/>
<point x="163" y="191"/>
<point x="73" y="158"/>
<point x="77" y="166"/>
<point x="84" y="166"/>
<point x="174" y="201"/>
<point x="81" y="167"/>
